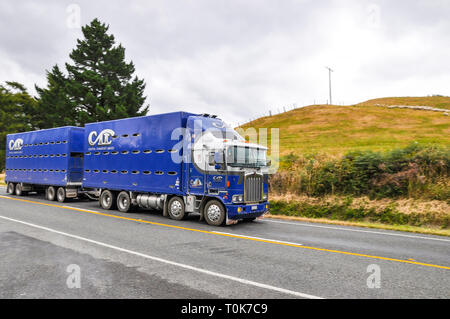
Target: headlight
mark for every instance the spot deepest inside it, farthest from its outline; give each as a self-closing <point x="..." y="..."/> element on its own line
<point x="265" y="196"/>
<point x="238" y="198"/>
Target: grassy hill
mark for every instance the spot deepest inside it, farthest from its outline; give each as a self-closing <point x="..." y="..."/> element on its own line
<point x="335" y="130"/>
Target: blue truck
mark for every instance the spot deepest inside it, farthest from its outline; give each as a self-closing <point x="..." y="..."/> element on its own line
<point x="178" y="162"/>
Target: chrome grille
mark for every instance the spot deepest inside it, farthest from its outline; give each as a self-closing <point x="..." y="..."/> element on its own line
<point x="253" y="188"/>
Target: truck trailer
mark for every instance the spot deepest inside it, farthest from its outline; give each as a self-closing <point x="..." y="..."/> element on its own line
<point x="47" y="160"/>
<point x="178" y="162"/>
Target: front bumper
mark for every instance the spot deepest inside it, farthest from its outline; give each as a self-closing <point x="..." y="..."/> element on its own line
<point x="246" y="210"/>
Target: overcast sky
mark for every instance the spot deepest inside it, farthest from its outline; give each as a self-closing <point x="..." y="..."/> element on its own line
<point x="240" y="59"/>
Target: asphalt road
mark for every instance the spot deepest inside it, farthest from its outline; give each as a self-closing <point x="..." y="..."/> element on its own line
<point x="78" y="250"/>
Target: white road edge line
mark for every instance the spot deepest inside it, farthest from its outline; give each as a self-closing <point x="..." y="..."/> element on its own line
<point x="260" y="238"/>
<point x="173" y="263"/>
<point x="354" y="230"/>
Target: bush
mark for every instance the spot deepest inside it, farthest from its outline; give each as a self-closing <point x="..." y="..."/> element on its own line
<point x="415" y="171"/>
<point x="343" y="211"/>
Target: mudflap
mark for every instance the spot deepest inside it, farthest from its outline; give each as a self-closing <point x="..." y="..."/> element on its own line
<point x="165" y="208"/>
<point x="230" y="221"/>
<point x="262" y="216"/>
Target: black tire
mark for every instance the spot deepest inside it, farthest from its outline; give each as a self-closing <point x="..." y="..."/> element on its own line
<point x="176" y="208"/>
<point x="61" y="194"/>
<point x="123" y="202"/>
<point x="107" y="200"/>
<point x="18" y="190"/>
<point x="214" y="213"/>
<point x="50" y="193"/>
<point x="11" y="188"/>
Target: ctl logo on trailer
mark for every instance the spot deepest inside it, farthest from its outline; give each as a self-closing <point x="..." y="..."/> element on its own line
<point x="15" y="145"/>
<point x="104" y="138"/>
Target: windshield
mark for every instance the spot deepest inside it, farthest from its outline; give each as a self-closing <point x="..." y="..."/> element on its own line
<point x="246" y="156"/>
<point x="229" y="134"/>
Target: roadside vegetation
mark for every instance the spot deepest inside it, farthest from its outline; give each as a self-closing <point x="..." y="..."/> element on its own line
<point x="397" y="214"/>
<point x="416" y="171"/>
<point x="408" y="186"/>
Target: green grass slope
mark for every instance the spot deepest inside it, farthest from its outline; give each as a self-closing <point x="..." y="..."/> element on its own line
<point x="335" y="130"/>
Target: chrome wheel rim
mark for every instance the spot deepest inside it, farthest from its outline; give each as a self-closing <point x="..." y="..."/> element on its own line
<point x="123" y="202"/>
<point x="10" y="189"/>
<point x="106" y="200"/>
<point x="176" y="208"/>
<point x="214" y="212"/>
<point x="50" y="193"/>
<point x="60" y="194"/>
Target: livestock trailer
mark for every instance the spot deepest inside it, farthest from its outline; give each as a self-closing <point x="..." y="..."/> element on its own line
<point x="50" y="160"/>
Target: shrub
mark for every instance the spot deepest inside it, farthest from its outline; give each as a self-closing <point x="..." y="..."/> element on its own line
<point x="415" y="171"/>
<point x="343" y="211"/>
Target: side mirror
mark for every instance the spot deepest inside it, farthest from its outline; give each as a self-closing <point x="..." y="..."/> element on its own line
<point x="218" y="160"/>
<point x="211" y="160"/>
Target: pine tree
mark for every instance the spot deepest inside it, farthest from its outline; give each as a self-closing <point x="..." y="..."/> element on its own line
<point x="99" y="84"/>
<point x="54" y="108"/>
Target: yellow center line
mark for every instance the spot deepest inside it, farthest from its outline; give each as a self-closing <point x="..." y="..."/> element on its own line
<point x="227" y="235"/>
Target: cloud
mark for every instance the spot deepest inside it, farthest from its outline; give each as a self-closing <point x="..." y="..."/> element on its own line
<point x="240" y="59"/>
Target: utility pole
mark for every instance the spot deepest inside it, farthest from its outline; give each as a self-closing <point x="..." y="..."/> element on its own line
<point x="329" y="81"/>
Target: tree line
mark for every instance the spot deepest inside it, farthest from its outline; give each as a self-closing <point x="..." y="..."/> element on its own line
<point x="97" y="85"/>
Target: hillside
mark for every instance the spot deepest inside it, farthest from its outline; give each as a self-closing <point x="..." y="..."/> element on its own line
<point x="337" y="129"/>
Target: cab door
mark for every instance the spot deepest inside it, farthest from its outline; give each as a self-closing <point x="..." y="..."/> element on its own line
<point x="197" y="176"/>
<point x="216" y="178"/>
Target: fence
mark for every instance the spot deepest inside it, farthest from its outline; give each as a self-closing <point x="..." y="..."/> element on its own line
<point x="280" y="110"/>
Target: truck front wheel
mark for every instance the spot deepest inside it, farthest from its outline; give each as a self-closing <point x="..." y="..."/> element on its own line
<point x="214" y="213"/>
<point x="107" y="199"/>
<point x="10" y="188"/>
<point x="176" y="208"/>
<point x="123" y="202"/>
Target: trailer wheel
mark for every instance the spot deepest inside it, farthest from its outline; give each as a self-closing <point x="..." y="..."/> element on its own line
<point x="50" y="193"/>
<point x="10" y="189"/>
<point x="176" y="208"/>
<point x="214" y="213"/>
<point x="61" y="195"/>
<point x="19" y="191"/>
<point x="107" y="200"/>
<point x="123" y="202"/>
